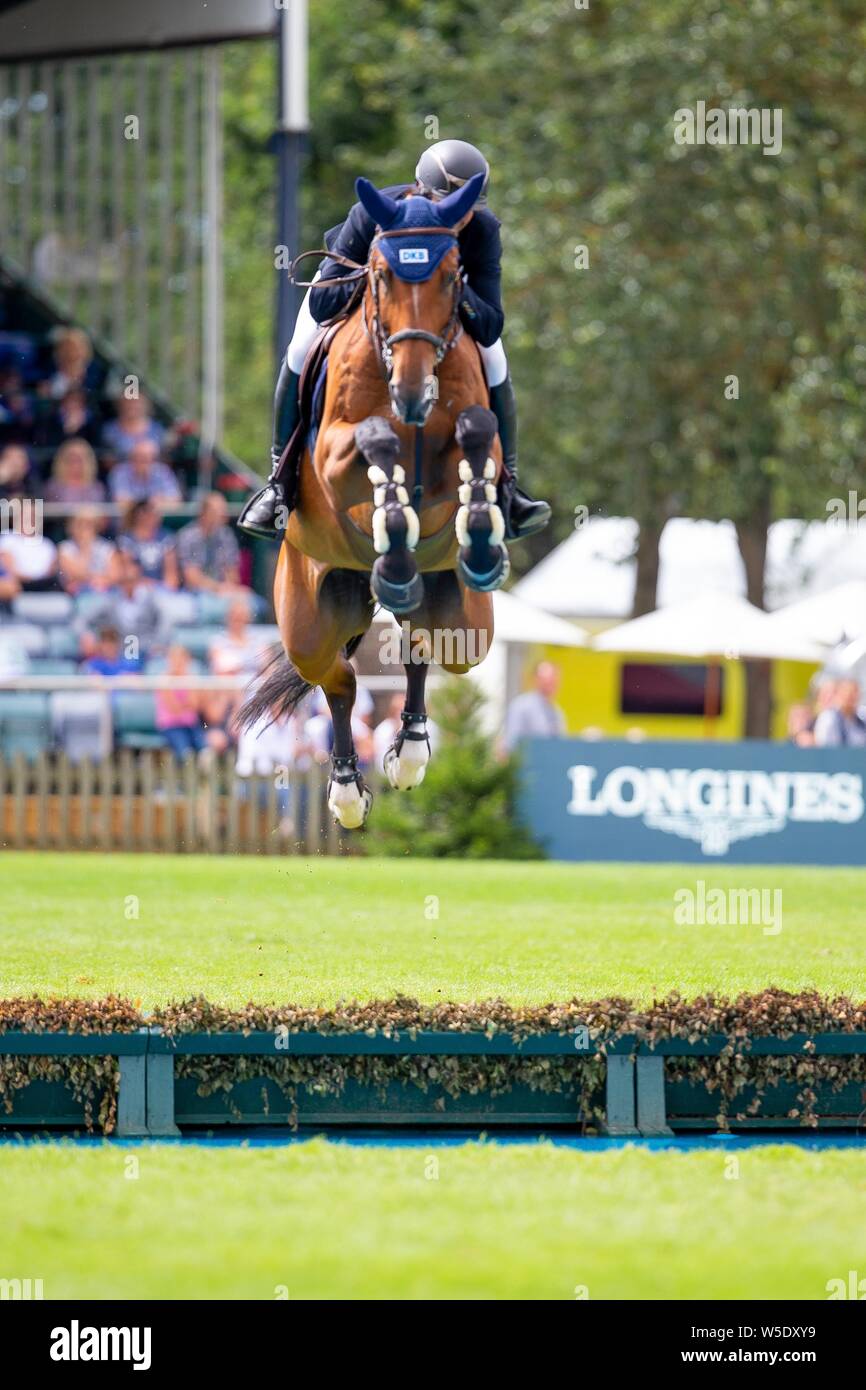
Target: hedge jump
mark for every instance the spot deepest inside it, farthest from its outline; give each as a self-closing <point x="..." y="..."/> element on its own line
<point x="167" y="1084"/>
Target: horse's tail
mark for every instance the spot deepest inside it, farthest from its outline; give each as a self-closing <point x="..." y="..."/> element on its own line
<point x="280" y="690"/>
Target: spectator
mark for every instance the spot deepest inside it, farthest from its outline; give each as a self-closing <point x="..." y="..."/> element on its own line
<point x="268" y="748"/>
<point x="233" y="653"/>
<point x="29" y="558"/>
<point x="73" y="357"/>
<point x="17" y="416"/>
<point x="143" y="477"/>
<point x="236" y="652"/>
<point x="146" y="540"/>
<point x="130" y="608"/>
<point x="133" y="424"/>
<point x="73" y="480"/>
<point x="9" y="586"/>
<point x="72" y="418"/>
<point x="177" y="709"/>
<point x="319" y="732"/>
<point x="208" y="550"/>
<point x="17" y="478"/>
<point x="801" y="726"/>
<point x="88" y="562"/>
<point x="534" y="714"/>
<point x="842" y="726"/>
<point x="107" y="657"/>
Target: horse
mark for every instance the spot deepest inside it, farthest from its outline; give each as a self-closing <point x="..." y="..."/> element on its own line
<point x="355" y="536"/>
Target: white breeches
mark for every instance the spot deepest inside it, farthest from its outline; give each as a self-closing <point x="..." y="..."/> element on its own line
<point x="306" y="328"/>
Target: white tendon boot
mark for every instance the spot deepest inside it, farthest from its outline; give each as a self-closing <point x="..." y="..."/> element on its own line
<point x="406" y="760"/>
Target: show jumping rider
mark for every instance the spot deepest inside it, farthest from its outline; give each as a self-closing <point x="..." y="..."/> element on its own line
<point x="441" y="168"/>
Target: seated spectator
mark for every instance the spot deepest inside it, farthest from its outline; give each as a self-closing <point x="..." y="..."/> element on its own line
<point x="17" y="415"/>
<point x="143" y="477"/>
<point x="107" y="657"/>
<point x="73" y="357"/>
<point x="208" y="550"/>
<point x="236" y="652"/>
<point x="233" y="653"/>
<point x="87" y="561"/>
<point x="9" y="586"/>
<point x="17" y="476"/>
<point x="133" y="424"/>
<point x="177" y="709"/>
<point x="73" y="480"/>
<point x="72" y="418"/>
<point x="130" y="608"/>
<point x="146" y="540"/>
<point x="29" y="558"/>
<point x="842" y="725"/>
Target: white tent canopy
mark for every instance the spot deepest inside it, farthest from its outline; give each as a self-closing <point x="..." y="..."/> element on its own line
<point x="592" y="574"/>
<point x="709" y="626"/>
<point x="837" y="615"/>
<point x="514" y="620"/>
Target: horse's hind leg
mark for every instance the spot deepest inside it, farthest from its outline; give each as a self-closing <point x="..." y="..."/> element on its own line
<point x="317" y="618"/>
<point x="349" y="797"/>
<point x="395" y="580"/>
<point x="406" y="760"/>
<point x="482" y="560"/>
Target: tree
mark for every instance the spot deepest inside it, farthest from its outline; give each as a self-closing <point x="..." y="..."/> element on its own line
<point x="466" y="807"/>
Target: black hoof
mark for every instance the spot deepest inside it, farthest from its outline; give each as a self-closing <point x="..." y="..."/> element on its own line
<point x="402" y="597"/>
<point x="485" y="581"/>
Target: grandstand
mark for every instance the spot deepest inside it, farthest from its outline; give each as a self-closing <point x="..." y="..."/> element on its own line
<point x="116" y="496"/>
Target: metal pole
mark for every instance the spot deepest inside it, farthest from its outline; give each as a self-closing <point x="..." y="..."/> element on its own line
<point x="292" y="126"/>
<point x="212" y="302"/>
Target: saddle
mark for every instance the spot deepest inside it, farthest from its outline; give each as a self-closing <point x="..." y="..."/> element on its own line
<point x="311" y="400"/>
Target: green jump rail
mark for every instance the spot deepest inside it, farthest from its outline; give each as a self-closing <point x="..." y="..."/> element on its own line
<point x="641" y="1098"/>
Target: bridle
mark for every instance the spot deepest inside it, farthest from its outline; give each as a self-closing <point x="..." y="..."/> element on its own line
<point x="384" y="342"/>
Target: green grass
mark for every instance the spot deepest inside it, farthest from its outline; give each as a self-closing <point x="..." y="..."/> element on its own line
<point x="313" y="931"/>
<point x="332" y="1221"/>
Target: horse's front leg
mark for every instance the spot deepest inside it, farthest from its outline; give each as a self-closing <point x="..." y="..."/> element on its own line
<point x="406" y="760"/>
<point x="482" y="560"/>
<point x="349" y="797"/>
<point x="395" y="580"/>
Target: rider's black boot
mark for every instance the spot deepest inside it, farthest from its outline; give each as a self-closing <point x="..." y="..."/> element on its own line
<point x="523" y="515"/>
<point x="266" y="514"/>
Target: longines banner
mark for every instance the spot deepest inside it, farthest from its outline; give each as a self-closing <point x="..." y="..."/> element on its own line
<point x="735" y="803"/>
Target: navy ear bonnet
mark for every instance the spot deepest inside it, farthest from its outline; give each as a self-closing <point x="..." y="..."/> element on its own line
<point x="414" y="257"/>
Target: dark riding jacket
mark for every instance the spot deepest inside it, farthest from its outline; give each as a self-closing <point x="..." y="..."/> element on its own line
<point x="480" y="253"/>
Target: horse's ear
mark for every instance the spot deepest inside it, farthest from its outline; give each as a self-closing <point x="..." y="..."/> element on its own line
<point x="454" y="208"/>
<point x="381" y="208"/>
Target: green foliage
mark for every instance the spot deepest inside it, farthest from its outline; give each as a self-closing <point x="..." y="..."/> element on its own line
<point x="703" y="263"/>
<point x="466" y="805"/>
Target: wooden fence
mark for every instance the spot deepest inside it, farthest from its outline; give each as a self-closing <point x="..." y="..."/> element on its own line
<point x="148" y="801"/>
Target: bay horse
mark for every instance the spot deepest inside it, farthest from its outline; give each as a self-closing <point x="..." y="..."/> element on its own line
<point x="355" y="536"/>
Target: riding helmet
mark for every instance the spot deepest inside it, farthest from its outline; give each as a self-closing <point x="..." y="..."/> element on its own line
<point x="447" y="165"/>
